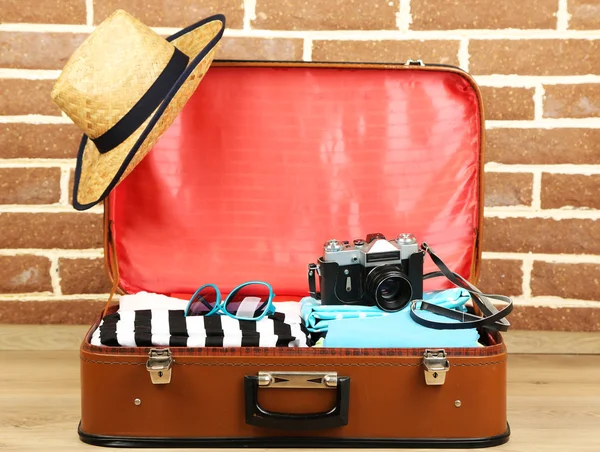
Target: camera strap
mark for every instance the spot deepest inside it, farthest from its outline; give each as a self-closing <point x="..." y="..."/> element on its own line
<point x="492" y="318"/>
<point x="312" y="285"/>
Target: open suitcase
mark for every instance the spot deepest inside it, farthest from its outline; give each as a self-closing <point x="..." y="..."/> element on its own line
<point x="265" y="163"/>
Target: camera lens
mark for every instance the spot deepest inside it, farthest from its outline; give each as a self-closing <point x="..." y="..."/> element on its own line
<point x="389" y="287"/>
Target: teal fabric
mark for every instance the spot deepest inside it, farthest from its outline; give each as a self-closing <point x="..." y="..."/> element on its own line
<point x="317" y="317"/>
<point x="369" y="327"/>
<point x="397" y="330"/>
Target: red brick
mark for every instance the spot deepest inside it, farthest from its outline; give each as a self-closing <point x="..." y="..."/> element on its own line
<point x="445" y="52"/>
<point x="25" y="273"/>
<point x="585" y="14"/>
<point x="477" y="14"/>
<point x="29" y="185"/>
<point x="507" y="103"/>
<point x="262" y="49"/>
<point x="39" y="141"/>
<point x="43" y="12"/>
<point x="167" y="13"/>
<point x="508" y="189"/>
<point x="578" y="281"/>
<point x="501" y="276"/>
<point x="534" y="56"/>
<point x="25" y="97"/>
<point x="541" y="235"/>
<point x="83" y="276"/>
<point x="539" y="318"/>
<point x="326" y="15"/>
<point x="570" y="190"/>
<point x="543" y="146"/>
<point x="39" y="50"/>
<point x="572" y="101"/>
<point x="51" y="230"/>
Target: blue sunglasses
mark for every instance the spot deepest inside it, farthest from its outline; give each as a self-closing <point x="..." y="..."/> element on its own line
<point x="242" y="303"/>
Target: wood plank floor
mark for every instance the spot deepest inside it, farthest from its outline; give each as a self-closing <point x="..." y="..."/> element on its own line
<point x="554" y="402"/>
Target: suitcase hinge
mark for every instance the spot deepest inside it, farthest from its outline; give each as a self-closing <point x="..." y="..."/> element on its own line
<point x="436" y="366"/>
<point x="159" y="365"/>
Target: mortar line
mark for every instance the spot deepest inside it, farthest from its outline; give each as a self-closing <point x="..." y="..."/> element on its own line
<point x="89" y="10"/>
<point x="29" y="74"/>
<point x="37" y="163"/>
<point x="554" y="302"/>
<point x="307" y="49"/>
<point x="562" y="16"/>
<point x="456" y="34"/>
<point x="249" y="14"/>
<point x="586" y="170"/>
<point x="43" y="296"/>
<point x="34" y="119"/>
<point x="538" y="102"/>
<point x="527" y="269"/>
<point x="65" y="175"/>
<point x="403" y="16"/>
<point x="88" y="253"/>
<point x="463" y="54"/>
<point x="536" y="191"/>
<point x="548" y="123"/>
<point x="46" y="208"/>
<point x="531" y="81"/>
<point x="548" y="258"/>
<point x="547" y="214"/>
<point x="55" y="276"/>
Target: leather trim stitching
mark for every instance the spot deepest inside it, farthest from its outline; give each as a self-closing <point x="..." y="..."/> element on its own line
<point x="490" y="363"/>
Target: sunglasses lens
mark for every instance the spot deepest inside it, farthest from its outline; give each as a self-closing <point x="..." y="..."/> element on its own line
<point x="204" y="301"/>
<point x="248" y="302"/>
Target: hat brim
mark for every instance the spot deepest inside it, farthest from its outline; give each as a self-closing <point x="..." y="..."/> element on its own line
<point x="96" y="174"/>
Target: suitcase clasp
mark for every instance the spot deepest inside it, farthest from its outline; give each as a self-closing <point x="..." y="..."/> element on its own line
<point x="436" y="366"/>
<point x="159" y="365"/>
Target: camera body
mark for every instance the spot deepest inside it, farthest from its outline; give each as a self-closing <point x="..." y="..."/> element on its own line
<point x="372" y="272"/>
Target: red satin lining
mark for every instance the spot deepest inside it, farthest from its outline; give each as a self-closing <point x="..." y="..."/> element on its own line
<point x="264" y="164"/>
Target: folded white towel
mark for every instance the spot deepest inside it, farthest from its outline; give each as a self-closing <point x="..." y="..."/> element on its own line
<point x="147" y="300"/>
<point x="147" y="319"/>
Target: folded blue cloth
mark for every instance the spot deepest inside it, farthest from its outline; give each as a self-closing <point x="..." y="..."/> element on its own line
<point x="369" y="327"/>
<point x="397" y="330"/>
<point x="318" y="317"/>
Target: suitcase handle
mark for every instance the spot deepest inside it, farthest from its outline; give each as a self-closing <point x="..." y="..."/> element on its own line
<point x="258" y="416"/>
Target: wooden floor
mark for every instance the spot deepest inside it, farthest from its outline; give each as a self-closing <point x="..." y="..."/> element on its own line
<point x="554" y="400"/>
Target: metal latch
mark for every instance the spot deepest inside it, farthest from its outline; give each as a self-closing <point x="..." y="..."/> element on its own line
<point x="436" y="366"/>
<point x="410" y="62"/>
<point x="316" y="380"/>
<point x="159" y="365"/>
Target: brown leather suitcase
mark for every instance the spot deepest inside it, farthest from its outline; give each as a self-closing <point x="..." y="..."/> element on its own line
<point x="265" y="163"/>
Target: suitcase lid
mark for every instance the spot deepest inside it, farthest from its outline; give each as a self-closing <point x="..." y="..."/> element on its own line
<point x="268" y="161"/>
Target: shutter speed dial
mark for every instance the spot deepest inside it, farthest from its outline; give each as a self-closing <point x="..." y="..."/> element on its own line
<point x="333" y="245"/>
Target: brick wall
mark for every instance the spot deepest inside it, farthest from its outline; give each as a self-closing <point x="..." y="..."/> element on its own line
<point x="538" y="63"/>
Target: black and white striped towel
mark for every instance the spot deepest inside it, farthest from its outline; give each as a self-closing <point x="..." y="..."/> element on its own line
<point x="169" y="327"/>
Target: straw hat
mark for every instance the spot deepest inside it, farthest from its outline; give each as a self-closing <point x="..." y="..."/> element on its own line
<point x="123" y="87"/>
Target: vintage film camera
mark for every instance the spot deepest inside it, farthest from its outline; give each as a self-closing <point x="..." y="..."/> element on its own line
<point x="373" y="272"/>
